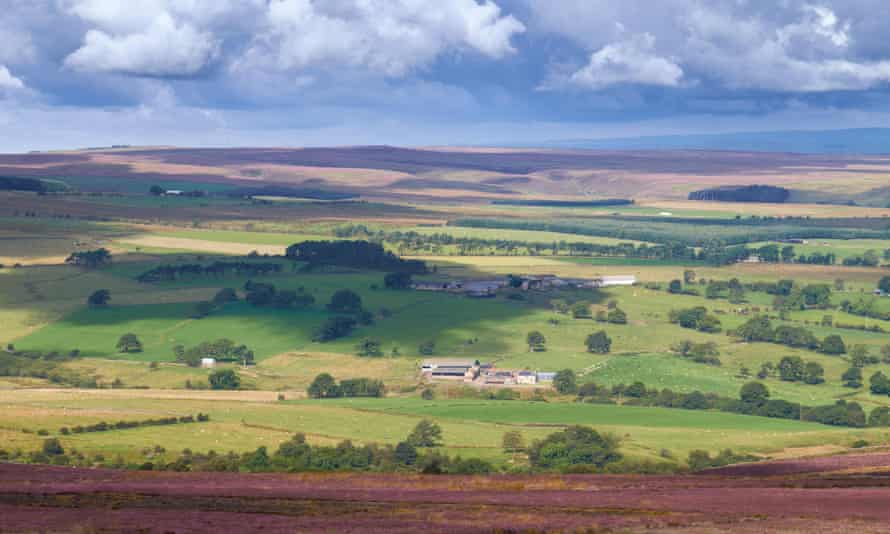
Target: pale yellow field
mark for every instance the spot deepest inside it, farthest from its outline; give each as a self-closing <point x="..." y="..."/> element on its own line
<point x="764" y="209"/>
<point x="200" y="245"/>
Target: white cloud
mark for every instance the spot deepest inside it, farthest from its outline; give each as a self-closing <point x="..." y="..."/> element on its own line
<point x="387" y="37"/>
<point x="8" y="82"/>
<point x="163" y="48"/>
<point x="631" y="61"/>
<point x="796" y="46"/>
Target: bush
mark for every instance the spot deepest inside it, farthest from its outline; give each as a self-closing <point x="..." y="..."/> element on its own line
<point x="574" y="446"/>
<point x="599" y="343"/>
<point x="334" y="328"/>
<point x="52" y="447"/>
<point x="425" y="434"/>
<point x="129" y="343"/>
<point x="565" y="382"/>
<point x="224" y="379"/>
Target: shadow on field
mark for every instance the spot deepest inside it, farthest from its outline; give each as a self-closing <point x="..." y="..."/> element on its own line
<point x="459" y="326"/>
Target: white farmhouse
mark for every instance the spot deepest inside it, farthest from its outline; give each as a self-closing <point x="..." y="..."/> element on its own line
<point x="610" y="281"/>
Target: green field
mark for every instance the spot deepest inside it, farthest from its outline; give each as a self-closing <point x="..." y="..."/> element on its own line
<point x="43" y="308"/>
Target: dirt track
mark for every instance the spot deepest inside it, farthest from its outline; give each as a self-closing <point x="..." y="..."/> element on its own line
<point x="55" y="498"/>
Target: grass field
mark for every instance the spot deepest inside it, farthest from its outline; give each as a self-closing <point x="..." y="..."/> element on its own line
<point x="44" y="308"/>
<point x="470" y="428"/>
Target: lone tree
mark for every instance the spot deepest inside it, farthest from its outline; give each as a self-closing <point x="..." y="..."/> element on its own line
<point x="599" y="343"/>
<point x="536" y="341"/>
<point x="52" y="447"/>
<point x="224" y="379"/>
<point x="513" y="442"/>
<point x="754" y="393"/>
<point x="345" y="301"/>
<point x="99" y="298"/>
<point x="852" y="378"/>
<point x="676" y="286"/>
<point x="564" y="382"/>
<point x="833" y="344"/>
<point x="129" y="343"/>
<point x="156" y="190"/>
<point x="425" y="434"/>
<point x="884" y="284"/>
<point x="324" y="387"/>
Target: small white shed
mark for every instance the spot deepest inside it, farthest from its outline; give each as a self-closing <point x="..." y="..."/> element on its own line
<point x="208" y="363"/>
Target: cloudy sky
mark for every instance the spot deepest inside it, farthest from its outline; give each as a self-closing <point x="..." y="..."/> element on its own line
<point x="79" y="73"/>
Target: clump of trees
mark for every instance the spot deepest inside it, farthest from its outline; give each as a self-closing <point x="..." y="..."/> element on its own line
<point x="577" y="448"/>
<point x="696" y="318"/>
<point x="90" y="259"/>
<point x="266" y="295"/>
<point x="222" y="350"/>
<point x="357" y="254"/>
<point x="706" y="353"/>
<point x="760" y="329"/>
<point x="324" y="386"/>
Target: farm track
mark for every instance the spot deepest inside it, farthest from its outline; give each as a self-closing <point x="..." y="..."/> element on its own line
<point x="40" y="498"/>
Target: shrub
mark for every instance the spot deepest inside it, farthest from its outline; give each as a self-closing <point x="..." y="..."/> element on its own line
<point x="129" y="343"/>
<point x="599" y="342"/>
<point x="224" y="379"/>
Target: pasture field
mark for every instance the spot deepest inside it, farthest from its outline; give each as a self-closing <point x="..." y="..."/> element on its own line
<point x="489" y="330"/>
<point x="470" y="428"/>
<point x="43" y="308"/>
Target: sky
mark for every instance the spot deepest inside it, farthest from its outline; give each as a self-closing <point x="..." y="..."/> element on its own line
<point x="78" y="73"/>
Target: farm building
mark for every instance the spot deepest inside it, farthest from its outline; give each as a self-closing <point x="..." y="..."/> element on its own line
<point x="438" y="369"/>
<point x="546" y="376"/>
<point x="473" y="288"/>
<point x="435" y="285"/>
<point x="173" y="192"/>
<point x="498" y="378"/>
<point x="208" y="363"/>
<point x="526" y="378"/>
<point x="610" y="281"/>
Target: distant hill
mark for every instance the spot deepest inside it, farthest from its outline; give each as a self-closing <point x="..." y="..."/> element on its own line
<point x="850" y="141"/>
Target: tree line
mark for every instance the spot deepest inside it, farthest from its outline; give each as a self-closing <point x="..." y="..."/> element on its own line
<point x="103" y="426"/>
<point x="169" y="273"/>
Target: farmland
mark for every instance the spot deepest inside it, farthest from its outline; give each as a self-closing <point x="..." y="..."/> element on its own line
<point x="67" y="368"/>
